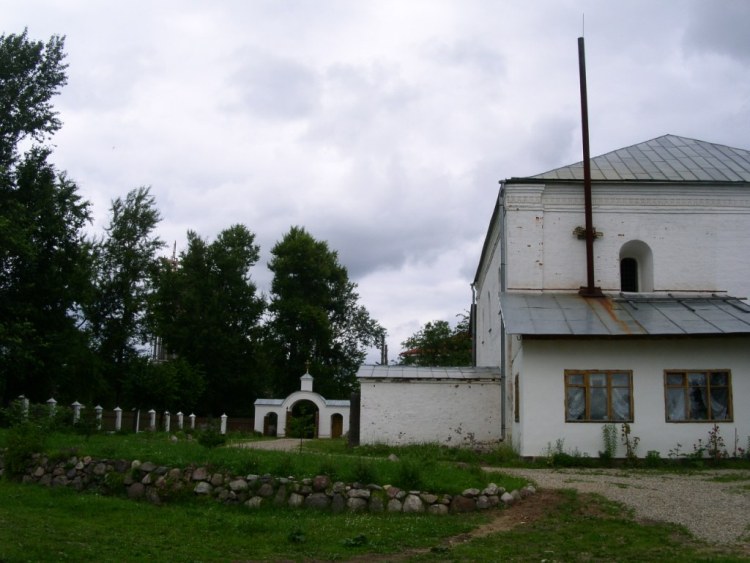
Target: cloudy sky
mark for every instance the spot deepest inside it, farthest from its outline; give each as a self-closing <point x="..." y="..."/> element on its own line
<point x="382" y="127"/>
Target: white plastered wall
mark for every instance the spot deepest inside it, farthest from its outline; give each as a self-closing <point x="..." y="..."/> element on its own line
<point x="451" y="412"/>
<point x="325" y="413"/>
<point x="696" y="236"/>
<point x="542" y="390"/>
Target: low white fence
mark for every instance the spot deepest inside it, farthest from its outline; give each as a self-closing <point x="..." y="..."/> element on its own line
<point x="165" y="422"/>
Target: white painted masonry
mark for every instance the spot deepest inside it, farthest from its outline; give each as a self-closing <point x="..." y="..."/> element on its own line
<point x="681" y="209"/>
<point x="693" y="232"/>
<point x="329" y="411"/>
<point x="441" y="405"/>
<point x="542" y="391"/>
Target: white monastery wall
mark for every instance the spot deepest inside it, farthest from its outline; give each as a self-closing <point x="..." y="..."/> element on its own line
<point x="489" y="331"/>
<point x="542" y="388"/>
<point x="698" y="238"/>
<point x="449" y="412"/>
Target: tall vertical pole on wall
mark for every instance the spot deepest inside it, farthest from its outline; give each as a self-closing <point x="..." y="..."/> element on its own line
<point x="590" y="290"/>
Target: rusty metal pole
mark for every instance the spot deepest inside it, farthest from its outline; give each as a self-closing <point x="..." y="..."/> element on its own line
<point x="590" y="290"/>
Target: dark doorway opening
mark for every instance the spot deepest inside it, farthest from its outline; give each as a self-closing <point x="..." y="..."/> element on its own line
<point x="302" y="420"/>
<point x="629" y="275"/>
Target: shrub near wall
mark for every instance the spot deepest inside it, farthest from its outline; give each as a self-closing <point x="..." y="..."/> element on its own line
<point x="158" y="484"/>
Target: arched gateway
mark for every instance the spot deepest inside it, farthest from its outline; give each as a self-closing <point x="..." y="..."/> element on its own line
<point x="275" y="417"/>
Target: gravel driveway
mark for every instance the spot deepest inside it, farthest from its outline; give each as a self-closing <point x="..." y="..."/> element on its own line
<point x="713" y="505"/>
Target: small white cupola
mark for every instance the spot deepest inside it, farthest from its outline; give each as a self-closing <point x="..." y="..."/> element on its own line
<point x="306" y="381"/>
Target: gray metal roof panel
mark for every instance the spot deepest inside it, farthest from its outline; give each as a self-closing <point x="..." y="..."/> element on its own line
<point x="337" y="403"/>
<point x="398" y="372"/>
<point x="629" y="315"/>
<point x="269" y="402"/>
<point x="666" y="158"/>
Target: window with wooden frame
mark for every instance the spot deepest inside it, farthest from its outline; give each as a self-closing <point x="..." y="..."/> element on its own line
<point x="698" y="395"/>
<point x="598" y="395"/>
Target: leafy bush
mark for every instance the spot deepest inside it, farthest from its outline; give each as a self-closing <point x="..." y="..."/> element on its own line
<point x="210" y="437"/>
<point x="652" y="459"/>
<point x="25" y="437"/>
<point x="609" y="441"/>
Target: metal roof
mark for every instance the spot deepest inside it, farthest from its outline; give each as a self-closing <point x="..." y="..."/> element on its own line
<point x="337" y="403"/>
<point x="279" y="402"/>
<point x="431" y="373"/>
<point x="628" y="314"/>
<point x="667" y="158"/>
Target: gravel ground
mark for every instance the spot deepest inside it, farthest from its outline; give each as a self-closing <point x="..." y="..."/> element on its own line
<point x="713" y="505"/>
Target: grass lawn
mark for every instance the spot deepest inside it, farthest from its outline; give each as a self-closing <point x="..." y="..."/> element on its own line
<point x="42" y="524"/>
<point x="423" y="468"/>
<point x="45" y="524"/>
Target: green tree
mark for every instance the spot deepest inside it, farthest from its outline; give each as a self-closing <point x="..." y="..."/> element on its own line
<point x="44" y="256"/>
<point x="316" y="317"/>
<point x="437" y="344"/>
<point x="172" y="385"/>
<point x="207" y="312"/>
<point x="31" y="74"/>
<point x="126" y="264"/>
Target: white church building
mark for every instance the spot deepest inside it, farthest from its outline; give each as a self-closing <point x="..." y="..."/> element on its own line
<point x="666" y="347"/>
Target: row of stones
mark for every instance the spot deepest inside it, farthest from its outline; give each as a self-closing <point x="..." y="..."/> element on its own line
<point x="158" y="484"/>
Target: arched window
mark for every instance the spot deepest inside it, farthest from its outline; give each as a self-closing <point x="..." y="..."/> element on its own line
<point x="636" y="267"/>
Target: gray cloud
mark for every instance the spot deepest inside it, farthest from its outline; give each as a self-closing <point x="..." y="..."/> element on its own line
<point x="382" y="127"/>
<point x="274" y="87"/>
<point x="720" y="28"/>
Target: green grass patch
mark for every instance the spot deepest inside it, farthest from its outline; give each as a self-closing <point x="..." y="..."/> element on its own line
<point x="419" y="467"/>
<point x="587" y="528"/>
<point x="42" y="524"/>
<point x="730" y="477"/>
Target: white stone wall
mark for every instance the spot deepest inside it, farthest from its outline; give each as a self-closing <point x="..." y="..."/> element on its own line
<point x="325" y="412"/>
<point x="543" y="391"/>
<point x="487" y="296"/>
<point x="450" y="412"/>
<point x="699" y="236"/>
<point x="699" y="239"/>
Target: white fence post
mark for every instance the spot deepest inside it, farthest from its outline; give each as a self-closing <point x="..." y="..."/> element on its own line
<point x="166" y="421"/>
<point x="118" y="419"/>
<point x="223" y="423"/>
<point x="98" y="409"/>
<point x="192" y="421"/>
<point x="24" y="405"/>
<point x="52" y="404"/>
<point x="77" y="411"/>
<point x="180" y="418"/>
<point x="152" y="420"/>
